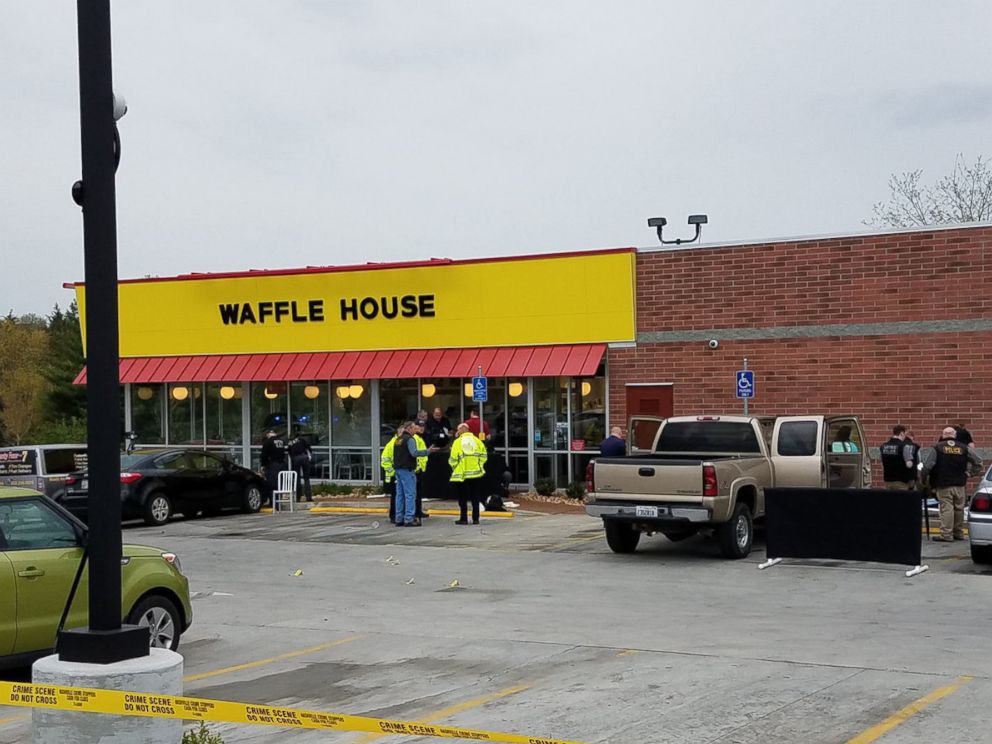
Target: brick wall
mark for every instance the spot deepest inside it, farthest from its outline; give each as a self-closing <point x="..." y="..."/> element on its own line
<point x="921" y="379"/>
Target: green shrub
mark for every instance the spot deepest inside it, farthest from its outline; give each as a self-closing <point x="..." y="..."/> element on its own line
<point x="201" y="735"/>
<point x="576" y="490"/>
<point x="366" y="490"/>
<point x="544" y="486"/>
<point x="332" y="489"/>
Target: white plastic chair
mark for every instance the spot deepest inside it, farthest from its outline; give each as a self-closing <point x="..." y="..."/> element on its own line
<point x="286" y="493"/>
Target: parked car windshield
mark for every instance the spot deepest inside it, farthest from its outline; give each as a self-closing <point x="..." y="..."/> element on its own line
<point x="708" y="436"/>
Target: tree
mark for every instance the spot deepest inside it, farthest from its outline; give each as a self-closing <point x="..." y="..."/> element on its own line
<point x="963" y="195"/>
<point x="23" y="347"/>
<point x="64" y="401"/>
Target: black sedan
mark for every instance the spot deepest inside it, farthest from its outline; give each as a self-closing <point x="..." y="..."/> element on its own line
<point x="155" y="484"/>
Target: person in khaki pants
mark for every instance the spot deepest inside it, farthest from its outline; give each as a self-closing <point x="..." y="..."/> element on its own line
<point x="948" y="466"/>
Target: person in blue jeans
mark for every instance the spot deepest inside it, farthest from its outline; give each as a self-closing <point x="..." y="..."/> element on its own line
<point x="405" y="454"/>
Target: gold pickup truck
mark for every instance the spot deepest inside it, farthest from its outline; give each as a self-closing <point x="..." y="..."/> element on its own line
<point x="710" y="473"/>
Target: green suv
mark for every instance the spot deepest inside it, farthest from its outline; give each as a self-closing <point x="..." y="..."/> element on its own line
<point x="41" y="545"/>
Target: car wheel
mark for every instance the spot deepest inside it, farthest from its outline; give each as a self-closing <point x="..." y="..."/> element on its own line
<point x="161" y="617"/>
<point x="981" y="554"/>
<point x="251" y="502"/>
<point x="737" y="534"/>
<point x="158" y="509"/>
<point x="621" y="537"/>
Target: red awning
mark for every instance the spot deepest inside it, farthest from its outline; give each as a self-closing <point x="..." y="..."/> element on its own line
<point x="580" y="360"/>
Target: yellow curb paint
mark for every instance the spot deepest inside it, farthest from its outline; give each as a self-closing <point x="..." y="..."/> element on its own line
<point x="628" y="652"/>
<point x="896" y="719"/>
<point x="270" y="660"/>
<point x="457" y="708"/>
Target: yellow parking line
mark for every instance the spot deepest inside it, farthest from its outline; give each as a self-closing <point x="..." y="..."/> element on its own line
<point x="628" y="652"/>
<point x="270" y="660"/>
<point x="14" y="719"/>
<point x="900" y="717"/>
<point x="457" y="708"/>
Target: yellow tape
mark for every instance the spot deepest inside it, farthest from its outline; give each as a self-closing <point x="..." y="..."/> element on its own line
<point x="117" y="702"/>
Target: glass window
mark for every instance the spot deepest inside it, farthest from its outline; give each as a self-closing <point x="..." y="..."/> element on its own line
<point x="62" y="461"/>
<point x="554" y="467"/>
<point x="588" y="412"/>
<point x="797" y="438"/>
<point x="308" y="405"/>
<point x="517" y="462"/>
<point x="203" y="461"/>
<point x="269" y="408"/>
<point x="185" y="413"/>
<point x="494" y="409"/>
<point x="516" y="402"/>
<point x="223" y="424"/>
<point x="172" y="460"/>
<point x="147" y="419"/>
<point x="351" y="413"/>
<point x="844" y="436"/>
<point x="446" y="394"/>
<point x="397" y="403"/>
<point x="550" y="413"/>
<point x="708" y="437"/>
<point x="30" y="525"/>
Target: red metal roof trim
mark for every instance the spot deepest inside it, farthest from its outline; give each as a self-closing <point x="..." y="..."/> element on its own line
<point x="580" y="360"/>
<point x="362" y="267"/>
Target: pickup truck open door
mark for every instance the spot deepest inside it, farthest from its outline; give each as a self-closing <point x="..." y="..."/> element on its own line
<point x="642" y="433"/>
<point x="798" y="452"/>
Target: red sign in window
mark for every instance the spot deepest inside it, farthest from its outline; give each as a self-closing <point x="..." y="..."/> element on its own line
<point x="578" y="445"/>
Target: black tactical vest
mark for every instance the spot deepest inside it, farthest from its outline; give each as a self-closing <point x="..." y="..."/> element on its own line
<point x="952" y="464"/>
<point x="894" y="463"/>
<point x="402" y="459"/>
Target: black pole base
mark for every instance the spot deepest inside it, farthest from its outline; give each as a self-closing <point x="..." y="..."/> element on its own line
<point x="103" y="646"/>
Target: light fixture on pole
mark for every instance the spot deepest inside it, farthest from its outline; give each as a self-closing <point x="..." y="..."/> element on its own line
<point x="697" y="220"/>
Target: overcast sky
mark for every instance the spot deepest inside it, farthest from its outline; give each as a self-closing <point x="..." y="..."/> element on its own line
<point x="283" y="134"/>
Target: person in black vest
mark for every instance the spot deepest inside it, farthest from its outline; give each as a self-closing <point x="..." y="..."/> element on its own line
<point x="948" y="466"/>
<point x="300" y="456"/>
<point x="898" y="460"/>
<point x="272" y="458"/>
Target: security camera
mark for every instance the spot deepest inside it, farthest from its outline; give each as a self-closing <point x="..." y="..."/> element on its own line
<point x="120" y="107"/>
<point x="713" y="343"/>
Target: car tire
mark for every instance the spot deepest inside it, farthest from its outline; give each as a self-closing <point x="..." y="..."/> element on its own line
<point x="160" y="616"/>
<point x="157" y="509"/>
<point x="621" y="537"/>
<point x="981" y="554"/>
<point x="737" y="534"/>
<point x="252" y="499"/>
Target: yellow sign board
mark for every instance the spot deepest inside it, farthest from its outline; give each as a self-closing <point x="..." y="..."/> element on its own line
<point x="536" y="300"/>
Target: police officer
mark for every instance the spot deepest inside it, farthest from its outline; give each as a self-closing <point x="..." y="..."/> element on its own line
<point x="468" y="461"/>
<point x="405" y="455"/>
<point x="948" y="465"/>
<point x="898" y="456"/>
<point x="272" y="458"/>
<point x="418" y="431"/>
<point x="386" y="461"/>
<point x="301" y="456"/>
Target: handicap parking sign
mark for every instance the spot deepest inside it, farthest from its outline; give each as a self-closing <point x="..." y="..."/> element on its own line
<point x="480" y="389"/>
<point x="745" y="383"/>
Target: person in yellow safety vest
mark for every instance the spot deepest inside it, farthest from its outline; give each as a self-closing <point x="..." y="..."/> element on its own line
<point x="389" y="482"/>
<point x="467" y="461"/>
<point x="418" y="430"/>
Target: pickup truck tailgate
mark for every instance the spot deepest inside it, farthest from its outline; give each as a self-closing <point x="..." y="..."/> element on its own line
<point x="649" y="479"/>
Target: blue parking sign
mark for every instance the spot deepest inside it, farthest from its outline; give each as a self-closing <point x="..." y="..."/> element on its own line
<point x="745" y="383"/>
<point x="480" y="389"/>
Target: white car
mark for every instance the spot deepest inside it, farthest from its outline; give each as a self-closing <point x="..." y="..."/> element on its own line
<point x="980" y="521"/>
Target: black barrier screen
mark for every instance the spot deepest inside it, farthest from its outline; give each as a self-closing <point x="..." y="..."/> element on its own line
<point x="844" y="524"/>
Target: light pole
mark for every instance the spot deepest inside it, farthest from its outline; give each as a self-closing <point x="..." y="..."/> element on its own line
<point x="105" y="640"/>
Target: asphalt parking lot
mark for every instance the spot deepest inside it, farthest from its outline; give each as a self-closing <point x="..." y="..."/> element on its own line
<point x="548" y="633"/>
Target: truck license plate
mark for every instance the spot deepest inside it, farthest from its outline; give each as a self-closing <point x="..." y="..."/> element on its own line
<point x="646" y="511"/>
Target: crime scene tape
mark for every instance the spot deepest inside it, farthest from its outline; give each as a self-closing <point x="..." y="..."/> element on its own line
<point x="147" y="705"/>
